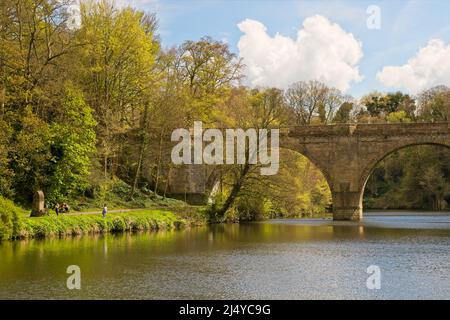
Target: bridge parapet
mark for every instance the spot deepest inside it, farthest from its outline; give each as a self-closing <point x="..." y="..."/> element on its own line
<point x="401" y="129"/>
<point x="321" y="130"/>
<point x="367" y="129"/>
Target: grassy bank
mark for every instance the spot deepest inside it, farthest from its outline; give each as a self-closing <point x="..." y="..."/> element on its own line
<point x="70" y="225"/>
<point x="61" y="226"/>
<point x="13" y="225"/>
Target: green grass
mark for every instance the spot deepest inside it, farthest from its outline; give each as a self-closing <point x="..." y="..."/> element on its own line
<point x="116" y="194"/>
<point x="69" y="225"/>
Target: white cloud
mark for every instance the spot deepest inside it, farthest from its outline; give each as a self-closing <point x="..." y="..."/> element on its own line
<point x="323" y="51"/>
<point x="430" y="67"/>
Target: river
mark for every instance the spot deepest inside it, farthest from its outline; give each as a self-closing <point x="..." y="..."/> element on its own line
<point x="276" y="259"/>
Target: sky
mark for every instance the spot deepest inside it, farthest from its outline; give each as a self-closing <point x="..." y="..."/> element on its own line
<point x="355" y="46"/>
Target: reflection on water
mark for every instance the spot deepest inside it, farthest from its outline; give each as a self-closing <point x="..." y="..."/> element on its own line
<point x="277" y="259"/>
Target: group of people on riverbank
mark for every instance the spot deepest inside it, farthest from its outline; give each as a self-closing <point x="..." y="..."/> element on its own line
<point x="62" y="208"/>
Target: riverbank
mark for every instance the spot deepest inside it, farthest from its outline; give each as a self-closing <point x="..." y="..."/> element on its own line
<point x="143" y="213"/>
<point x="70" y="225"/>
<point x="14" y="225"/>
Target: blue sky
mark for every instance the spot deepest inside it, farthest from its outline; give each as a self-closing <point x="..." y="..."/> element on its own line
<point x="406" y="26"/>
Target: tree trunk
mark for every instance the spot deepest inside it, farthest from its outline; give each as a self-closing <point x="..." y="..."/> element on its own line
<point x="105" y="164"/>
<point x="141" y="151"/>
<point x="158" y="166"/>
<point x="234" y="191"/>
<point x="165" y="188"/>
<point x="138" y="169"/>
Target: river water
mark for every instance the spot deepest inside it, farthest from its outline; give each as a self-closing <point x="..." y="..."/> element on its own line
<point x="276" y="259"/>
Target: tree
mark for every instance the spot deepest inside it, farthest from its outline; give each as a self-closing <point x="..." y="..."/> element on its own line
<point x="73" y="144"/>
<point x="343" y="115"/>
<point x="312" y="101"/>
<point x="30" y="154"/>
<point x="37" y="110"/>
<point x="260" y="109"/>
<point x="34" y="36"/>
<point x="299" y="189"/>
<point x="167" y="108"/>
<point x="117" y="55"/>
<point x="412" y="178"/>
<point x="209" y="69"/>
<point x="6" y="174"/>
<point x="190" y="82"/>
<point x="397" y="116"/>
<point x="380" y="105"/>
<point x="434" y="104"/>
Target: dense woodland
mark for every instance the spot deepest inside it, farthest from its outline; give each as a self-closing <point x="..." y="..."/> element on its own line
<point x="88" y="101"/>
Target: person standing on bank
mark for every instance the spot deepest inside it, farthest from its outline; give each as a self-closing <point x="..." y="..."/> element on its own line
<point x="57" y="209"/>
<point x="104" y="211"/>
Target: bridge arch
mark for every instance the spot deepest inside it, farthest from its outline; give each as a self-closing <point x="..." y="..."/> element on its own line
<point x="370" y="167"/>
<point x="368" y="170"/>
<point x="316" y="162"/>
<point x="316" y="159"/>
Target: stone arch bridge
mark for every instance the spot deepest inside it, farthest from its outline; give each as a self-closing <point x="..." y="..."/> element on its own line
<point x="345" y="153"/>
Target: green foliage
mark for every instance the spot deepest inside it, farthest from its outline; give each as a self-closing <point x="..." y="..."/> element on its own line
<point x="6" y="174"/>
<point x="9" y="219"/>
<point x="116" y="59"/>
<point x="30" y="154"/>
<point x="343" y="114"/>
<point x="413" y="178"/>
<point x="381" y="105"/>
<point x="116" y="193"/>
<point x="208" y="68"/>
<point x="73" y="144"/>
<point x="255" y="208"/>
<point x="397" y="116"/>
<point x="434" y="104"/>
<point x="298" y="190"/>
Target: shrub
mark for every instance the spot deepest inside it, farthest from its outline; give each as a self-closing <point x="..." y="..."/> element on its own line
<point x="9" y="219"/>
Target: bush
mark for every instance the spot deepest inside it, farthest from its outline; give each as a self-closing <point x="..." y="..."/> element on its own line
<point x="119" y="224"/>
<point x="9" y="219"/>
